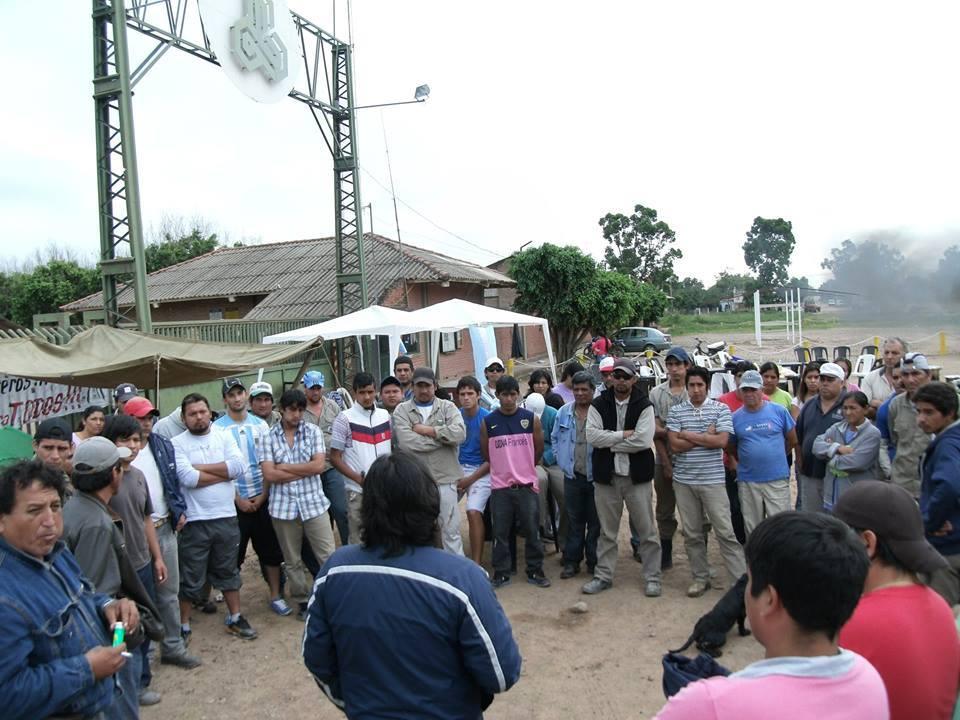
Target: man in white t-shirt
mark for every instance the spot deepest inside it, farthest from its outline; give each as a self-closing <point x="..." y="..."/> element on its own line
<point x="208" y="462"/>
<point x="879" y="384"/>
<point x="158" y="463"/>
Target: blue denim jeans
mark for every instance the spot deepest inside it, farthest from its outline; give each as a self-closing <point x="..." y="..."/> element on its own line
<point x="126" y="702"/>
<point x="584" y="525"/>
<point x="334" y="487"/>
<point x="146" y="577"/>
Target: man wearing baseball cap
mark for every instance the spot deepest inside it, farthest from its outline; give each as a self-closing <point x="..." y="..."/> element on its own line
<point x="261" y="403"/>
<point x="606" y="375"/>
<point x="123" y="393"/>
<point x="906" y="438"/>
<point x="902" y="627"/>
<point x="433" y="429"/>
<point x="53" y="444"/>
<point x="620" y="428"/>
<point x="322" y="411"/>
<point x="248" y="432"/>
<point x="157" y="460"/>
<point x="761" y="432"/>
<point x="664" y="396"/>
<point x="493" y="370"/>
<point x="815" y="418"/>
<point x="90" y="533"/>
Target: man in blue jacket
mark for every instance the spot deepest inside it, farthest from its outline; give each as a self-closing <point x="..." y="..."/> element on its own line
<point x="936" y="404"/>
<point x="45" y="671"/>
<point x="158" y="463"/>
<point x="441" y="647"/>
<point x="572" y="451"/>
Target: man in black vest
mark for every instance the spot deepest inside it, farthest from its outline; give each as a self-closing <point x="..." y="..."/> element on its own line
<point x="620" y="428"/>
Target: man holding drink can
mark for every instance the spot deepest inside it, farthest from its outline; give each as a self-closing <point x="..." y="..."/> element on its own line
<point x="69" y="667"/>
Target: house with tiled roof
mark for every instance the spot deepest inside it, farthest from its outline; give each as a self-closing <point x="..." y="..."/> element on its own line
<point x="295" y="282"/>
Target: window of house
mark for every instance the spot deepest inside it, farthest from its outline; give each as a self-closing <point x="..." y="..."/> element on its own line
<point x="450" y="342"/>
<point x="411" y="343"/>
<point x="216" y="314"/>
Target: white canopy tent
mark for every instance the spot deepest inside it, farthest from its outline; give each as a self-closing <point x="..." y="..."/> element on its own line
<point x="373" y="320"/>
<point x="453" y="315"/>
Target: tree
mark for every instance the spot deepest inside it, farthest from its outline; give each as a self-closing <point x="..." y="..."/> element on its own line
<point x="170" y="250"/>
<point x="566" y="287"/>
<point x="638" y="245"/>
<point x="48" y="286"/>
<point x="688" y="294"/>
<point x="729" y="285"/>
<point x="767" y="252"/>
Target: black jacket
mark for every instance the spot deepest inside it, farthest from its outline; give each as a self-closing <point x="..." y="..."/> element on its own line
<point x="641" y="463"/>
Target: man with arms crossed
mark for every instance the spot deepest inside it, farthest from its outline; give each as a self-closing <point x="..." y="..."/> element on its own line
<point x="620" y="429"/>
<point x="292" y="456"/>
<point x="433" y="429"/>
<point x="208" y="460"/>
<point x="698" y="430"/>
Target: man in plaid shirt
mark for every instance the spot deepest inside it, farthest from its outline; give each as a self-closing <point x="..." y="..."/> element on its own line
<point x="292" y="457"/>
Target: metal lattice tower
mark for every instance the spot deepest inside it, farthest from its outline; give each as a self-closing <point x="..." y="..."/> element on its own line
<point x="177" y="24"/>
<point x="117" y="181"/>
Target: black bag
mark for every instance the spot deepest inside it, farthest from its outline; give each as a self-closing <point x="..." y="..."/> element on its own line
<point x="679" y="670"/>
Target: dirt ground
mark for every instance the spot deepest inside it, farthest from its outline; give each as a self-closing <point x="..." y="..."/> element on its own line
<point x="605" y="663"/>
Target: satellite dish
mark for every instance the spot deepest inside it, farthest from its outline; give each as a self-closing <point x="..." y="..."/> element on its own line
<point x="256" y="44"/>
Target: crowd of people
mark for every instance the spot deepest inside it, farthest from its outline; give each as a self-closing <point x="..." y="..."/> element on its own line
<point x="160" y="511"/>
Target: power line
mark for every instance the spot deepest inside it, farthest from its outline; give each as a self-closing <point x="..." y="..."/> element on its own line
<point x="424" y="217"/>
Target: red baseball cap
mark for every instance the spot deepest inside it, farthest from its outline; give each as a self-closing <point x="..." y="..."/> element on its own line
<point x="140" y="407"/>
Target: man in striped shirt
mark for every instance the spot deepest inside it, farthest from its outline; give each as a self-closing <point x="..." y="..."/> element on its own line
<point x="292" y="457"/>
<point x="247" y="430"/>
<point x="698" y="430"/>
<point x="359" y="436"/>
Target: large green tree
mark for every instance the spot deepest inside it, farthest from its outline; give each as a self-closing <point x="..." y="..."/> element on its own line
<point x="568" y="288"/>
<point x="45" y="288"/>
<point x="728" y="285"/>
<point x="767" y="250"/>
<point x="640" y="245"/>
<point x="947" y="277"/>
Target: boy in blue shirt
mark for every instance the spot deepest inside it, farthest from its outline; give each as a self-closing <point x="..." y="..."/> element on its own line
<point x="476" y="471"/>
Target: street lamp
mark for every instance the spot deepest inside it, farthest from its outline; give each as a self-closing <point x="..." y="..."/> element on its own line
<point x="419" y="95"/>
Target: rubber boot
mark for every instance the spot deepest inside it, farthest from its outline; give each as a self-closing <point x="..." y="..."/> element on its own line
<point x="666" y="553"/>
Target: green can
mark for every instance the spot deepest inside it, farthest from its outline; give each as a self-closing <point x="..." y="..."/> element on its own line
<point x="118" y="634"/>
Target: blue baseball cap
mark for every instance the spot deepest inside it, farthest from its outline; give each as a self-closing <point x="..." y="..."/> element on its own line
<point x="312" y="379"/>
<point x="679" y="353"/>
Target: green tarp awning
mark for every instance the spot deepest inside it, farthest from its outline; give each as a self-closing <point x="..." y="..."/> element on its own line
<point x="105" y="357"/>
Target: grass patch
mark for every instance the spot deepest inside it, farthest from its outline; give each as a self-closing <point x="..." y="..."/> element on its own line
<point x="682" y="324"/>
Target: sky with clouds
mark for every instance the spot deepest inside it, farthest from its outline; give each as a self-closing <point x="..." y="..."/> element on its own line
<point x="841" y="117"/>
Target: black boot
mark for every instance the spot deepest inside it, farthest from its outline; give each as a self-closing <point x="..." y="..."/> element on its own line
<point x="666" y="553"/>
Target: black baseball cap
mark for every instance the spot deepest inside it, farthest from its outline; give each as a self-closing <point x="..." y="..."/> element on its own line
<point x="230" y="383"/>
<point x="54" y="429"/>
<point x="424" y="374"/>
<point x="893" y="515"/>
<point x="124" y="392"/>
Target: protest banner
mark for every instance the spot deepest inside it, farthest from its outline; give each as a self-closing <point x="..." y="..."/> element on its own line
<point x="23" y="401"/>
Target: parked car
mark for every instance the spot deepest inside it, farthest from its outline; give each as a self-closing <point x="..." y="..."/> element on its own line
<point x="641" y="339"/>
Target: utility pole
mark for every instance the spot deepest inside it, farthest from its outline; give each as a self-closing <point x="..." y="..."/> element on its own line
<point x="118" y="182"/>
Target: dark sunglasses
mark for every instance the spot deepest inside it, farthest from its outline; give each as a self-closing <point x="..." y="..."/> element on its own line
<point x="618" y="375"/>
<point x="495" y="368"/>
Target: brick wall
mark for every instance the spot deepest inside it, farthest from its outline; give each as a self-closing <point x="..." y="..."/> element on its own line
<point x="454" y="365"/>
<point x="193" y="310"/>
